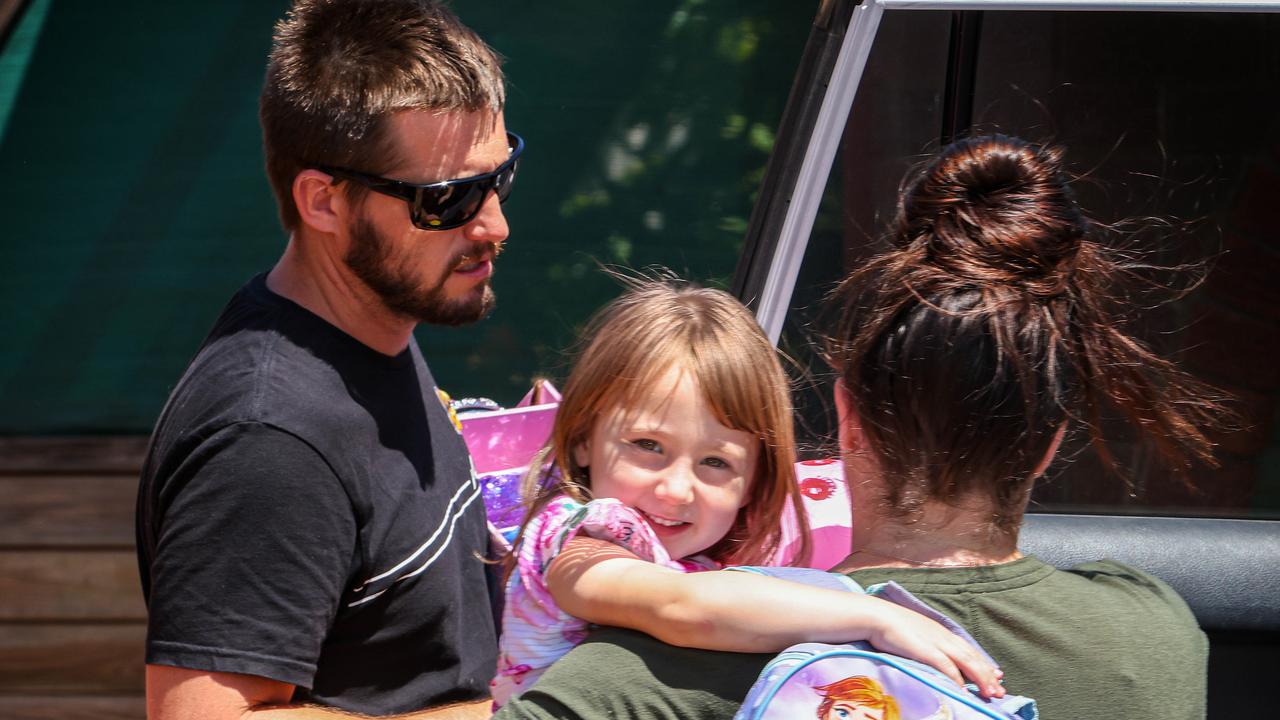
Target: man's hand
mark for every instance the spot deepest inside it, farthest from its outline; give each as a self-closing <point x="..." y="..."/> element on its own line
<point x="181" y="694"/>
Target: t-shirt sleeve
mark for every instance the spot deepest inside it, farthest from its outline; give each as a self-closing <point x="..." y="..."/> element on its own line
<point x="254" y="548"/>
<point x="563" y="519"/>
<point x="604" y="519"/>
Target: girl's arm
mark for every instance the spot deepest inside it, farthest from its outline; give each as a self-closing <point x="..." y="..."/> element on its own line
<point x="604" y="584"/>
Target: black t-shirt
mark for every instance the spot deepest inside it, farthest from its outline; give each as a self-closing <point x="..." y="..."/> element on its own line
<point x="308" y="513"/>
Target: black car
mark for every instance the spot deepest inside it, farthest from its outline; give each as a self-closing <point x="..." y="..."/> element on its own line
<point x="1168" y="112"/>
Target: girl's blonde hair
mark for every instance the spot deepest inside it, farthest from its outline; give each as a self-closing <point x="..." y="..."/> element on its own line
<point x="627" y="347"/>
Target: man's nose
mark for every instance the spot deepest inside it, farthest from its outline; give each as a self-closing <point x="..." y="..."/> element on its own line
<point x="490" y="224"/>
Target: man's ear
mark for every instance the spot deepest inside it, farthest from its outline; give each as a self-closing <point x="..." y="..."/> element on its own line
<point x="847" y="422"/>
<point x="321" y="205"/>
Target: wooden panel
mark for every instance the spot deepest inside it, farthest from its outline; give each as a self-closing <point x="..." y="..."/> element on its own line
<point x="73" y="708"/>
<point x="121" y="455"/>
<point x="63" y="585"/>
<point x="52" y="511"/>
<point x="72" y="659"/>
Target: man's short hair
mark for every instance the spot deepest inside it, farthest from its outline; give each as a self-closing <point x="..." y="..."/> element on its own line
<point x="340" y="68"/>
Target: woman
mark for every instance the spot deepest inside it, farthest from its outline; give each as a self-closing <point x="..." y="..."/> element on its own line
<point x="965" y="353"/>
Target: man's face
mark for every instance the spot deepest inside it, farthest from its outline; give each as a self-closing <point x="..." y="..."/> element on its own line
<point x="433" y="276"/>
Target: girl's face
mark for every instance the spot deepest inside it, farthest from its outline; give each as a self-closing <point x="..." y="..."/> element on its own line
<point x="672" y="460"/>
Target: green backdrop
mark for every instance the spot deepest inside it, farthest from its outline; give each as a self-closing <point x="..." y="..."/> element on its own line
<point x="134" y="203"/>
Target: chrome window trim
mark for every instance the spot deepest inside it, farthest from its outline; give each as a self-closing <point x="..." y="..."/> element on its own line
<point x="793" y="238"/>
<point x="815" y="168"/>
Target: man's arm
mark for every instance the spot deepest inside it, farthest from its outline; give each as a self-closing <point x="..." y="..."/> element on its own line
<point x="181" y="694"/>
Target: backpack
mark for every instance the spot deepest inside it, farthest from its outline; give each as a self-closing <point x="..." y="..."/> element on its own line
<point x="817" y="680"/>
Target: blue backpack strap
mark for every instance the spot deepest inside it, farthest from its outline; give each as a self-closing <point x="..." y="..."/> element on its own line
<point x="805" y="576"/>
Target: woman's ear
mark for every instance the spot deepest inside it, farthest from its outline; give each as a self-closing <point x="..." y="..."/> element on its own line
<point x="850" y="428"/>
<point x="1049" y="454"/>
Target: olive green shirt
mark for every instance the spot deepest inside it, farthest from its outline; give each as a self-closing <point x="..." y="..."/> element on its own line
<point x="1101" y="640"/>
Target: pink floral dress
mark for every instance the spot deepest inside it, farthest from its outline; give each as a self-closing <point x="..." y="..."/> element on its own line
<point x="535" y="631"/>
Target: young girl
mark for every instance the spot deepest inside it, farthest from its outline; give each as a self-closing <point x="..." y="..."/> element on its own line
<point x="672" y="454"/>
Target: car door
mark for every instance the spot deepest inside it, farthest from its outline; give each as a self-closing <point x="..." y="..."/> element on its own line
<point x="1169" y="117"/>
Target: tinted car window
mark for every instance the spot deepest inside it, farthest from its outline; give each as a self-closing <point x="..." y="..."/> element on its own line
<point x="1170" y="122"/>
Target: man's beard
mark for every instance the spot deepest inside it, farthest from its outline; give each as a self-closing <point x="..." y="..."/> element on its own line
<point x="401" y="294"/>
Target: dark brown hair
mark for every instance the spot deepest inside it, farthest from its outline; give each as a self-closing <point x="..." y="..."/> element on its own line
<point x="340" y="68"/>
<point x="995" y="318"/>
<point x="629" y="345"/>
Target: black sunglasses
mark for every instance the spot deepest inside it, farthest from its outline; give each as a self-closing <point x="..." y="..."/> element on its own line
<point x="446" y="204"/>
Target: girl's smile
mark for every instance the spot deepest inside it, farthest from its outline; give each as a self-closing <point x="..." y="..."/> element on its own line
<point x="671" y="459"/>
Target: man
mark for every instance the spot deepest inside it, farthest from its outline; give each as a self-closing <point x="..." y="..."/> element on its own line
<point x="310" y="529"/>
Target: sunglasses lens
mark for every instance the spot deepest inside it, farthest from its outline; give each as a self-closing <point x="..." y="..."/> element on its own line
<point x="458" y="202"/>
<point x="502" y="183"/>
<point x="451" y="206"/>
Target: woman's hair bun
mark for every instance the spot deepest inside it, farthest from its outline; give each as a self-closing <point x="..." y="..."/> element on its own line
<point x="995" y="209"/>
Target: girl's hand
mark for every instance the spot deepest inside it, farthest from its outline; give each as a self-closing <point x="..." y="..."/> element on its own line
<point x="904" y="632"/>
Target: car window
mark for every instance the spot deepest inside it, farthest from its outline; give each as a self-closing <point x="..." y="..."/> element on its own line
<point x="1170" y="122"/>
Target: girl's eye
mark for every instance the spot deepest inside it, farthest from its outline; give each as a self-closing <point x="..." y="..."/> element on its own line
<point x="715" y="462"/>
<point x="647" y="444"/>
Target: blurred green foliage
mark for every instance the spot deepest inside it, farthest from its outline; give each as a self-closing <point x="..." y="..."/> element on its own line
<point x="649" y="126"/>
<point x="135" y="203"/>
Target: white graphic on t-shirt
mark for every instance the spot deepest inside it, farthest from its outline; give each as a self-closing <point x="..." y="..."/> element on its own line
<point x="447" y="525"/>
